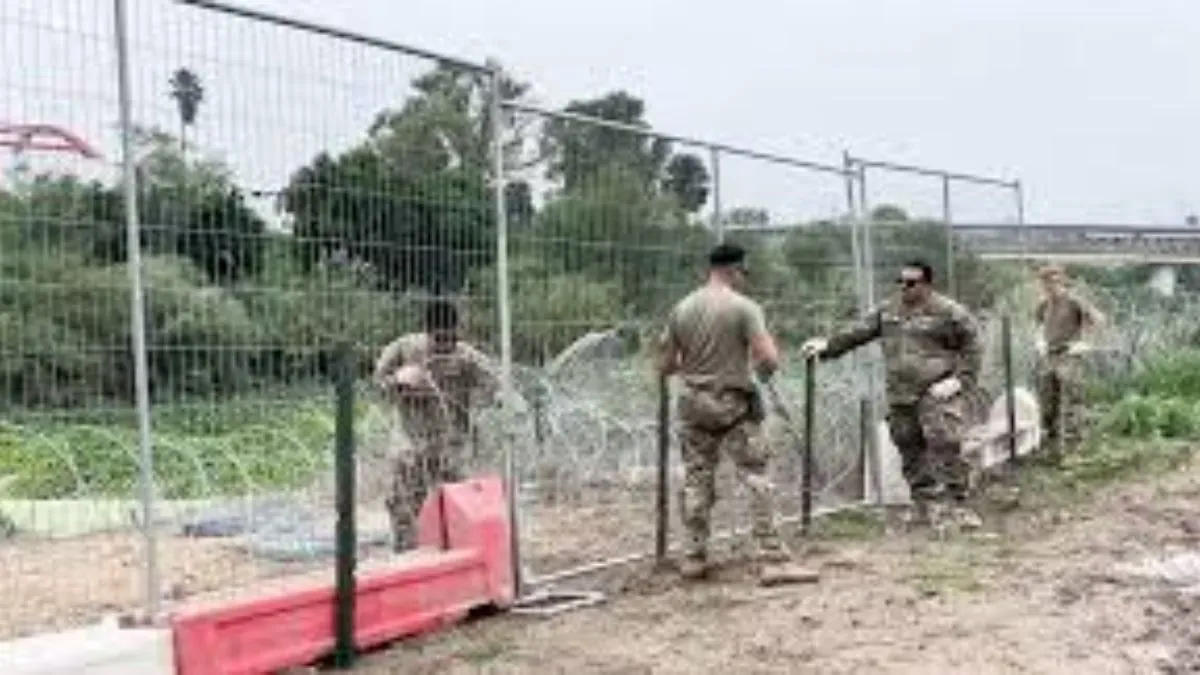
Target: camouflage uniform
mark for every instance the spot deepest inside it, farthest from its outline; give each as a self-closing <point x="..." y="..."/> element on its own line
<point x="436" y="417"/>
<point x="1059" y="373"/>
<point x="719" y="410"/>
<point x="923" y="345"/>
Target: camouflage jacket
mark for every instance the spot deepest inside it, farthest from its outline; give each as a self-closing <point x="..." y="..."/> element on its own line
<point x="921" y="345"/>
<point x="456" y="380"/>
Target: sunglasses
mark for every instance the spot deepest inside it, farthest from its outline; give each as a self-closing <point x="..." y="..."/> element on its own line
<point x="908" y="283"/>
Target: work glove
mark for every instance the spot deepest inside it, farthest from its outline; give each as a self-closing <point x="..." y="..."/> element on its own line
<point x="945" y="388"/>
<point x="814" y="348"/>
<point x="410" y="377"/>
<point x="1078" y="347"/>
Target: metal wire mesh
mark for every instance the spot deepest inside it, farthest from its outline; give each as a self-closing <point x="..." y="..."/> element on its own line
<point x="616" y="235"/>
<point x="298" y="190"/>
<point x="295" y="191"/>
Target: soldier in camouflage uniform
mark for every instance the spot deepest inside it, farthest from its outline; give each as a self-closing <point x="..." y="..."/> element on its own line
<point x="932" y="354"/>
<point x="1063" y="317"/>
<point x="710" y="340"/>
<point x="432" y="379"/>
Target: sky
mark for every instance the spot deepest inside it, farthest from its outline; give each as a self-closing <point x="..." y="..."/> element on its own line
<point x="1085" y="102"/>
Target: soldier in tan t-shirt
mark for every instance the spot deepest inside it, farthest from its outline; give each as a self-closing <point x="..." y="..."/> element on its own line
<point x="434" y="380"/>
<point x="1063" y="318"/>
<point x="712" y="337"/>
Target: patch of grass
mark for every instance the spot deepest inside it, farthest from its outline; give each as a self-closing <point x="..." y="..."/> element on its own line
<point x="850" y="524"/>
<point x="1102" y="463"/>
<point x="199" y="450"/>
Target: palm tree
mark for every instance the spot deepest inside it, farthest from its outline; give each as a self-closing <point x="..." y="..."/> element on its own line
<point x="188" y="94"/>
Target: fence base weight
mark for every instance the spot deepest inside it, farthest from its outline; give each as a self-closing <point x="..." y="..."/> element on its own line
<point x="462" y="563"/>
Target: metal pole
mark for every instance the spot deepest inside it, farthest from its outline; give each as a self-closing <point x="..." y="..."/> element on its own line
<point x="810" y="416"/>
<point x="856" y="227"/>
<point x="1023" y="232"/>
<point x="335" y="33"/>
<point x="141" y="382"/>
<point x="344" y="650"/>
<point x="511" y="474"/>
<point x="1010" y="403"/>
<point x="661" y="535"/>
<point x="864" y="444"/>
<point x="951" y="281"/>
<point x="718" y="221"/>
<point x="868" y="250"/>
<point x="860" y="288"/>
<point x="868" y="254"/>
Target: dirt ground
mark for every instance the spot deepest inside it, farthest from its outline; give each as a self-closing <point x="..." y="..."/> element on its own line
<point x="1040" y="591"/>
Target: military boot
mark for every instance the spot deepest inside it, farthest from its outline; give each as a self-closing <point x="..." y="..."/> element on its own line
<point x="917" y="516"/>
<point x="694" y="567"/>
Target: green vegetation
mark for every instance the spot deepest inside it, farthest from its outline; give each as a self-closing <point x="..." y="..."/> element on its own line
<point x="242" y="314"/>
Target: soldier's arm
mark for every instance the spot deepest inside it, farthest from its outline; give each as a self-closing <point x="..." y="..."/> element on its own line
<point x="486" y="372"/>
<point x="391" y="358"/>
<point x="970" y="346"/>
<point x="668" y="349"/>
<point x="1093" y="319"/>
<point x="1039" y="311"/>
<point x="869" y="328"/>
<point x="763" y="350"/>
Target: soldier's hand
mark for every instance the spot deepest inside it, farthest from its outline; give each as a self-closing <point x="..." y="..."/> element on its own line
<point x="1040" y="345"/>
<point x="1078" y="347"/>
<point x="409" y="377"/>
<point x="945" y="388"/>
<point x="814" y="347"/>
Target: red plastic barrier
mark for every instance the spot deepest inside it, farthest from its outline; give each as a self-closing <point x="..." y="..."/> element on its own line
<point x="463" y="562"/>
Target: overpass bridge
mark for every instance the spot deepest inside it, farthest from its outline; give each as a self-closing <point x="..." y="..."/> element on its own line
<point x="1168" y="246"/>
<point x="1090" y="244"/>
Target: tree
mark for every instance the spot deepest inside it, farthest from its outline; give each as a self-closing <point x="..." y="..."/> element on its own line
<point x="688" y="180"/>
<point x="889" y="213"/>
<point x="188" y="93"/>
<point x="423" y="231"/>
<point x="518" y="204"/>
<point x="744" y="216"/>
<point x="414" y="199"/>
<point x="819" y="253"/>
<point x="579" y="151"/>
<point x="628" y="233"/>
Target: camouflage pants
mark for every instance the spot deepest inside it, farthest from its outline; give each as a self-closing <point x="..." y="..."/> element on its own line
<point x="928" y="435"/>
<point x="1060" y="396"/>
<point x="712" y="423"/>
<point x="417" y="472"/>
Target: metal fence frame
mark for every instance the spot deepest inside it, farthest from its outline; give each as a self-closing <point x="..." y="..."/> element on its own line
<point x="860" y="166"/>
<point x="852" y="170"/>
<point x="133" y="225"/>
<point x="716" y="151"/>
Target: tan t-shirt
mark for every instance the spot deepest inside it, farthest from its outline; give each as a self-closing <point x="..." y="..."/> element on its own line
<point x="1063" y="319"/>
<point x="711" y="330"/>
<point x="454" y="377"/>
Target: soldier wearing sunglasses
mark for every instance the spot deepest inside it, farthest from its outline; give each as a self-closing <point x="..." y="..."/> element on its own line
<point x="932" y="351"/>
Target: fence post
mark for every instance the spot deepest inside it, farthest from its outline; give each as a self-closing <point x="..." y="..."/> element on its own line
<point x="718" y="223"/>
<point x="664" y="462"/>
<point x="810" y="416"/>
<point x="508" y="391"/>
<point x="868" y="256"/>
<point x="947" y="219"/>
<point x="344" y="652"/>
<point x="146" y="487"/>
<point x="1010" y="402"/>
<point x="864" y="444"/>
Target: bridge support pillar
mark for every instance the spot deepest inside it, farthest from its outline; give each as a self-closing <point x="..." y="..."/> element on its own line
<point x="1164" y="278"/>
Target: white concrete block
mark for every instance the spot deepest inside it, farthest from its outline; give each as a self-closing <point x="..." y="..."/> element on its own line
<point x="103" y="649"/>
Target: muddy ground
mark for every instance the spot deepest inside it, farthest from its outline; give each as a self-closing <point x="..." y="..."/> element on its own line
<point x="1041" y="591"/>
